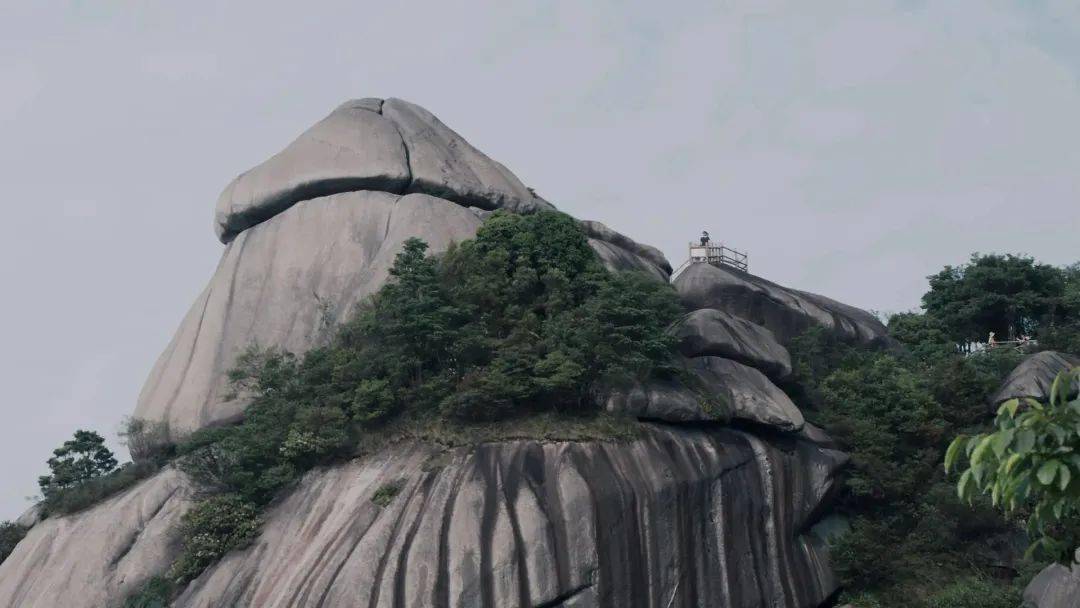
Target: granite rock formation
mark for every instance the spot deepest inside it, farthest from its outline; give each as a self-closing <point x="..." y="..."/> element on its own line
<point x="711" y="332"/>
<point x="1034" y="376"/>
<point x="786" y="312"/>
<point x="1055" y="587"/>
<point x="97" y="557"/>
<point x="314" y="230"/>
<point x="692" y="513"/>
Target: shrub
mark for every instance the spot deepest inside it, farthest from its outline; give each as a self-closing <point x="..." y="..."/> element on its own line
<point x="147" y="441"/>
<point x="154" y="593"/>
<point x="10" y="535"/>
<point x="63" y="501"/>
<point x="975" y="592"/>
<point x="212" y="528"/>
<point x="386" y="494"/>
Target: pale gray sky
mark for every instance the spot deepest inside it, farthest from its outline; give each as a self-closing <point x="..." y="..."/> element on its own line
<point x="851" y="147"/>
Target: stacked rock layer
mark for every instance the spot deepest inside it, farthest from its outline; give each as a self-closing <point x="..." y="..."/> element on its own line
<point x="691" y="514"/>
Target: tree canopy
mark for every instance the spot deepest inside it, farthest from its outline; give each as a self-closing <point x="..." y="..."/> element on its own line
<point x="1006" y="294"/>
<point x="80" y="459"/>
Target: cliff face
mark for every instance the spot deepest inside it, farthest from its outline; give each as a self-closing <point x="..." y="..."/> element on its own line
<point x="679" y="518"/>
<point x="693" y="514"/>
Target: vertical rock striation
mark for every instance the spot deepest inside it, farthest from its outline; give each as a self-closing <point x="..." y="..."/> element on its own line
<point x="677" y="519"/>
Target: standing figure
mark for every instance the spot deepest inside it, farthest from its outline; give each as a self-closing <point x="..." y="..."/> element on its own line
<point x="704" y="238"/>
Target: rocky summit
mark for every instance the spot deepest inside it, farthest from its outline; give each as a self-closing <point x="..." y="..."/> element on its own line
<point x="719" y="502"/>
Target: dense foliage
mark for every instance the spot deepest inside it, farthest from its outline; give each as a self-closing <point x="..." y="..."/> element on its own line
<point x="894" y="413"/>
<point x="10" y="535"/>
<point x="1006" y="294"/>
<point x="212" y="528"/>
<point x="1030" y="464"/>
<point x="521" y="320"/>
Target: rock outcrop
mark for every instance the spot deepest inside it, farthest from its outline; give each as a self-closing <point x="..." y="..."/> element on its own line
<point x="1055" y="587"/>
<point x="1034" y="376"/>
<point x="679" y="518"/>
<point x="314" y="230"/>
<point x="97" y="557"/>
<point x="370" y="144"/>
<point x="747" y="393"/>
<point x="286" y="283"/>
<point x="692" y="513"/>
<point x="715" y="333"/>
<point x="786" y="312"/>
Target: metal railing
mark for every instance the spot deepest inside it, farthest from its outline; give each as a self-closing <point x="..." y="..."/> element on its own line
<point x="716" y="254"/>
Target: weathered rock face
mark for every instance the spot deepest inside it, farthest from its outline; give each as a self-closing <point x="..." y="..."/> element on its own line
<point x="1034" y="376"/>
<point x="368" y="144"/>
<point x="748" y="394"/>
<point x="678" y="518"/>
<point x="314" y="230"/>
<point x="785" y="312"/>
<point x="97" y="557"/>
<point x="689" y="515"/>
<point x="711" y="332"/>
<point x="286" y="283"/>
<point x="1054" y="587"/>
<point x="620" y="252"/>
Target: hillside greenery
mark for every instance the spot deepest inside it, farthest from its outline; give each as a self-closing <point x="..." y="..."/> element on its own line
<point x="912" y="541"/>
<point x="520" y="323"/>
<point x="1029" y="464"/>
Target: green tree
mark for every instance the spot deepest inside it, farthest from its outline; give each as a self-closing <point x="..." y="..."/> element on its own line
<point x="1005" y="294"/>
<point x="10" y="535"/>
<point x="1030" y="465"/>
<point x="79" y="460"/>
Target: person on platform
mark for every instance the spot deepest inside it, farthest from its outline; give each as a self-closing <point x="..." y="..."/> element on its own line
<point x="704" y="238"/>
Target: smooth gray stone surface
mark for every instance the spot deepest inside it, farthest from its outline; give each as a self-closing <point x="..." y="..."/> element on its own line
<point x="728" y="390"/>
<point x="711" y="332"/>
<point x="623" y="253"/>
<point x="354" y="148"/>
<point x="1055" y="587"/>
<point x="678" y="519"/>
<point x="370" y="144"/>
<point x="1034" y="376"/>
<point x="288" y="283"/>
<point x="443" y="164"/>
<point x="668" y="401"/>
<point x="30" y="517"/>
<point x="96" y="557"/>
<point x="748" y="393"/>
<point x="786" y="312"/>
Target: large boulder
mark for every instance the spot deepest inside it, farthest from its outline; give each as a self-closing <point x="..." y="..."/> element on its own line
<point x="714" y="333"/>
<point x="676" y="519"/>
<point x="1034" y="376"/>
<point x="719" y="390"/>
<point x="747" y="393"/>
<point x="443" y="164"/>
<point x="354" y="148"/>
<point x="620" y="252"/>
<point x="370" y="144"/>
<point x="287" y="283"/>
<point x="1055" y="587"/>
<point x="784" y="311"/>
<point x="98" y="556"/>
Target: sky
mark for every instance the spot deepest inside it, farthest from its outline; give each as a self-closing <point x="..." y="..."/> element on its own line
<point x="851" y="148"/>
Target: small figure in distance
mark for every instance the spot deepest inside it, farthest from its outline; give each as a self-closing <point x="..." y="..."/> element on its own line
<point x="991" y="342"/>
<point x="704" y="238"/>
